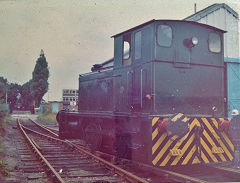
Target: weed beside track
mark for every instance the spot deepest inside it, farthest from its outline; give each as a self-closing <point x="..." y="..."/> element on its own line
<point x="47" y="118"/>
<point x="4" y="169"/>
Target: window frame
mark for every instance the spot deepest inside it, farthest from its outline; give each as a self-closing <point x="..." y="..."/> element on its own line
<point x="139" y="31"/>
<point x="209" y="43"/>
<point x="127" y="38"/>
<point x="129" y="53"/>
<point x="158" y="36"/>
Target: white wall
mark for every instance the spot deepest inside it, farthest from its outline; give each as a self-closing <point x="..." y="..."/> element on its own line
<point x="223" y="19"/>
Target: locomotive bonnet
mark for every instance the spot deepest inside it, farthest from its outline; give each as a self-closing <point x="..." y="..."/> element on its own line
<point x="160" y="100"/>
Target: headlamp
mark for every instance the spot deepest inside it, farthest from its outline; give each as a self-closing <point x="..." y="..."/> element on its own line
<point x="190" y="42"/>
<point x="194" y="41"/>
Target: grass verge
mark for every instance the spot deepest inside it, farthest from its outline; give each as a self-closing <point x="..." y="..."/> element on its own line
<point x="4" y="170"/>
<point x="47" y="117"/>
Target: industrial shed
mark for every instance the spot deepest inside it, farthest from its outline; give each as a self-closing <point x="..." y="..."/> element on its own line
<point x="55" y="106"/>
<point x="224" y="17"/>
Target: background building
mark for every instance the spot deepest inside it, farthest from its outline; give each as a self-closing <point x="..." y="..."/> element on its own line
<point x="224" y="17"/>
<point x="70" y="99"/>
<point x="55" y="106"/>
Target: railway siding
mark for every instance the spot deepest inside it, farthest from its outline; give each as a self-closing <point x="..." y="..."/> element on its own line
<point x="78" y="164"/>
<point x="22" y="164"/>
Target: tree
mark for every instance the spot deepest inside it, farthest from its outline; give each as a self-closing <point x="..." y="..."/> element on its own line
<point x="26" y="95"/>
<point x="13" y="90"/>
<point x="31" y="91"/>
<point x="3" y="88"/>
<point x="39" y="83"/>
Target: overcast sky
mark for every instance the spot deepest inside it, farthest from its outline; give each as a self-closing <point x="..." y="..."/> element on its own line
<point x="74" y="34"/>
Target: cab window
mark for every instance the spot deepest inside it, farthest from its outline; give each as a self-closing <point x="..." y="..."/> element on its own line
<point x="214" y="42"/>
<point x="126" y="49"/>
<point x="138" y="45"/>
<point x="164" y="35"/>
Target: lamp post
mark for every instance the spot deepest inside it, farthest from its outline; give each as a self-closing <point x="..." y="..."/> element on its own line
<point x="6" y="92"/>
<point x="6" y="96"/>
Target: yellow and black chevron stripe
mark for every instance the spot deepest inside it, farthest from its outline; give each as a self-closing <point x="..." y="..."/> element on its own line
<point x="216" y="145"/>
<point x="210" y="145"/>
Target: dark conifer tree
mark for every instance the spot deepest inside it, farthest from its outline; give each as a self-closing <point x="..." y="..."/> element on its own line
<point x="39" y="83"/>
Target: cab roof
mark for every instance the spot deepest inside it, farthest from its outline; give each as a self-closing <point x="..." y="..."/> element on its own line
<point x="152" y="21"/>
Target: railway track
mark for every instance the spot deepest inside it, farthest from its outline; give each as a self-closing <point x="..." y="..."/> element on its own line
<point x="30" y="167"/>
<point x="68" y="163"/>
<point x="199" y="173"/>
<point x="33" y="125"/>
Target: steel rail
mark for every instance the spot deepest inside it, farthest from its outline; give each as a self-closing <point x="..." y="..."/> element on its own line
<point x="53" y="130"/>
<point x="45" y="128"/>
<point x="184" y="177"/>
<point x="98" y="153"/>
<point x="129" y="176"/>
<point x="121" y="172"/>
<point x="175" y="175"/>
<point x="226" y="169"/>
<point x="35" y="149"/>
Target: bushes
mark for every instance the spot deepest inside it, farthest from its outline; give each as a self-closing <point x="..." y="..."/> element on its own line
<point x="47" y="117"/>
<point x="4" y="111"/>
<point x="4" y="170"/>
<point x="2" y="116"/>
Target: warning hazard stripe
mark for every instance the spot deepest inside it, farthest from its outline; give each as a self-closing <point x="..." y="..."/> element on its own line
<point x="196" y="160"/>
<point x="215" y="146"/>
<point x="226" y="138"/>
<point x="164" y="149"/>
<point x="158" y="143"/>
<point x="228" y="141"/>
<point x="207" y="150"/>
<point x="175" y="146"/>
<point x="215" y="139"/>
<point x="223" y="144"/>
<point x="190" y="155"/>
<point x="178" y="116"/>
<point x="185" y="149"/>
<point x="162" y="145"/>
<point x="154" y="121"/>
<point x="204" y="158"/>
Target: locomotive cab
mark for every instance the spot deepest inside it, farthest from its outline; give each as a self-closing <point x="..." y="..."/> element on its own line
<point x="162" y="70"/>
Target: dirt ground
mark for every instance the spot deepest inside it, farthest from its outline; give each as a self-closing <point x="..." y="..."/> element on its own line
<point x="11" y="169"/>
<point x="9" y="156"/>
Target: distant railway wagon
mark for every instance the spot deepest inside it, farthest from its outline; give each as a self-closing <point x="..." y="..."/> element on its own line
<point x="164" y="100"/>
<point x="20" y="107"/>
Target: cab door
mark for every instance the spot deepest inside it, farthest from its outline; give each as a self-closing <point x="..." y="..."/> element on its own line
<point x="137" y="88"/>
<point x="141" y="69"/>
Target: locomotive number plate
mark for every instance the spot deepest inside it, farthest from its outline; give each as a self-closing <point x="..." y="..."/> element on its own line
<point x="217" y="150"/>
<point x="176" y="152"/>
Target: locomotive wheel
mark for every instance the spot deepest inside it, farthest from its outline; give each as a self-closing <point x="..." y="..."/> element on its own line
<point x="81" y="133"/>
<point x="61" y="134"/>
<point x="93" y="135"/>
<point x="122" y="141"/>
<point x="121" y="146"/>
